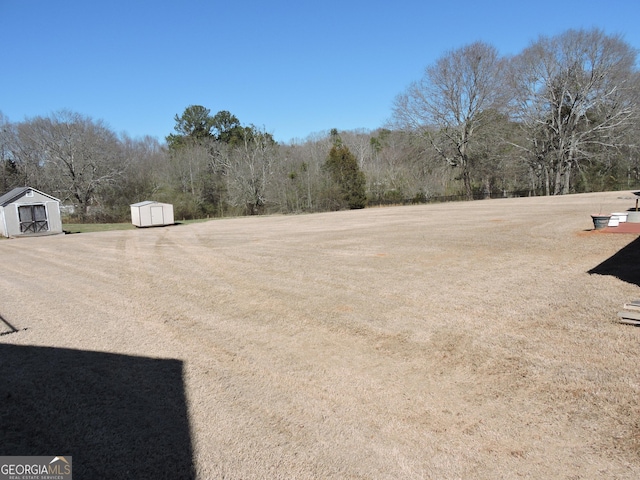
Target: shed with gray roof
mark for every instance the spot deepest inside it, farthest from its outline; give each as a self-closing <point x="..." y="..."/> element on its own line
<point x="25" y="211"/>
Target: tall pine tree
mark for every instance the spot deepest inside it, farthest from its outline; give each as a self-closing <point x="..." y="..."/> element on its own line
<point x="344" y="171"/>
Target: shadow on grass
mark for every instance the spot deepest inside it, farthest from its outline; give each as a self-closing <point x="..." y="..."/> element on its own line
<point x="624" y="265"/>
<point x="118" y="416"/>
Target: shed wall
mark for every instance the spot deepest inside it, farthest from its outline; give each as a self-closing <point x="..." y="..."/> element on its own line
<point x="152" y="214"/>
<point x="3" y="224"/>
<point x="135" y="216"/>
<point x="11" y="218"/>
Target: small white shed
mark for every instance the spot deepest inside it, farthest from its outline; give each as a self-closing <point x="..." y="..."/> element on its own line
<point x="26" y="211"/>
<point x="151" y="214"/>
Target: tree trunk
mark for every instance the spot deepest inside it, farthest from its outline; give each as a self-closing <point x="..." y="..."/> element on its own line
<point x="557" y="186"/>
<point x="466" y="178"/>
<point x="487" y="187"/>
<point x="547" y="181"/>
<point x="568" y="164"/>
<point x="566" y="180"/>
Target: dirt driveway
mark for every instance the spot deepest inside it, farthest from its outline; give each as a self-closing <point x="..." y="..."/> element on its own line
<point x="460" y="340"/>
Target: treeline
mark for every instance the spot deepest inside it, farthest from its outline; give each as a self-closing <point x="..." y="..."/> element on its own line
<point x="560" y="117"/>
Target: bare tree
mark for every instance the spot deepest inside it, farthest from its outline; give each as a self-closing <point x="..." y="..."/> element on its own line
<point x="573" y="96"/>
<point x="79" y="155"/>
<point x="27" y="154"/>
<point x="146" y="163"/>
<point x="359" y="143"/>
<point x="9" y="172"/>
<point x="250" y="170"/>
<point x="306" y="160"/>
<point x="393" y="174"/>
<point x="293" y="182"/>
<point x="446" y="105"/>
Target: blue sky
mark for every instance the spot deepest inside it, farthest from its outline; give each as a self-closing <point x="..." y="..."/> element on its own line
<point x="292" y="68"/>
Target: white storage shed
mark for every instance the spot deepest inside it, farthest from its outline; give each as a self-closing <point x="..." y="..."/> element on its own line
<point x="26" y="211"/>
<point x="151" y="214"/>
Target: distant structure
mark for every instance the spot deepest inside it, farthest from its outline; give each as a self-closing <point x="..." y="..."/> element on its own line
<point x="25" y="211"/>
<point x="151" y="214"/>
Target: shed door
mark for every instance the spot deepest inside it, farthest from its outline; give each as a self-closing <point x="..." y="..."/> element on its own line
<point x="33" y="218"/>
<point x="156" y="215"/>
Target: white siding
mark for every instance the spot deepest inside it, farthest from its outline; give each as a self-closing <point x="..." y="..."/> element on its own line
<point x="151" y="214"/>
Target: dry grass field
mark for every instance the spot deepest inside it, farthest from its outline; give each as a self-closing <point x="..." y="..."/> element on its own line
<point x="449" y="341"/>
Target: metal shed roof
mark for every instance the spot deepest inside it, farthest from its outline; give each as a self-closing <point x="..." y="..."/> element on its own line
<point x="146" y="202"/>
<point x="12" y="195"/>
